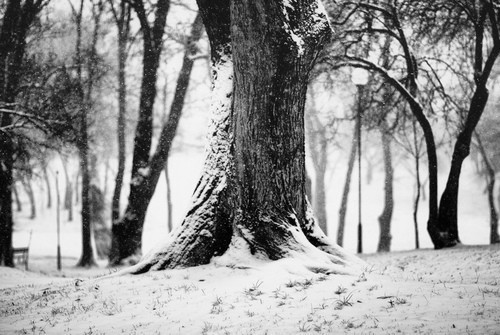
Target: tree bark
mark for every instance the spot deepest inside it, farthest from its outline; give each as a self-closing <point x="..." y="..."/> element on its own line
<point x="417" y="186"/>
<point x="122" y="19"/>
<point x="169" y="197"/>
<point x="47" y="184"/>
<point x="448" y="221"/>
<point x="16" y="22"/>
<point x="16" y="198"/>
<point x="318" y="150"/>
<point x="347" y="186"/>
<point x="87" y="256"/>
<point x="127" y="232"/>
<point x="26" y="181"/>
<point x="490" y="181"/>
<point x="251" y="195"/>
<point x="384" y="244"/>
<point x="68" y="191"/>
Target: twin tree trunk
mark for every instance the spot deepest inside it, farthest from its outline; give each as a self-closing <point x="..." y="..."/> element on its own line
<point x="127" y="232"/>
<point x="251" y="195"/>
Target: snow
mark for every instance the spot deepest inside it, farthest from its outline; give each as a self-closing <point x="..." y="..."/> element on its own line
<point x="453" y="291"/>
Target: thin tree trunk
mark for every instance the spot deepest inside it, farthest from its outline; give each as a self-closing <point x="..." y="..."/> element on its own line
<point x="418" y="186"/>
<point x="251" y="196"/>
<point x="309" y="188"/>
<point x="68" y="192"/>
<point x="31" y="196"/>
<point x="47" y="184"/>
<point x="169" y="197"/>
<point x="123" y="24"/>
<point x="490" y="180"/>
<point x="319" y="199"/>
<point x="384" y="244"/>
<point x="87" y="256"/>
<point x="318" y="150"/>
<point x="106" y="179"/>
<point x="77" y="177"/>
<point x="347" y="186"/>
<point x="127" y="232"/>
<point x="19" y="206"/>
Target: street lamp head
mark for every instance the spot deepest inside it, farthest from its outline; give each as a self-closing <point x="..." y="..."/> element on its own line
<point x="359" y="76"/>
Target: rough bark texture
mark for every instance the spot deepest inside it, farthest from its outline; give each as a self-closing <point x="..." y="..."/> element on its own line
<point x="127" y="232"/>
<point x="347" y="187"/>
<point x="16" y="21"/>
<point x="384" y="243"/>
<point x="251" y="195"/>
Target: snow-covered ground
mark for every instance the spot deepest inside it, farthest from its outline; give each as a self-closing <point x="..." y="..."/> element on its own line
<point x="453" y="291"/>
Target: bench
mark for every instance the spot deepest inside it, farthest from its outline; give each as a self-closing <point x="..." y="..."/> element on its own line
<point x="21" y="255"/>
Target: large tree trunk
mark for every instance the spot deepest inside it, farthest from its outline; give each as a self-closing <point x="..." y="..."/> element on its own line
<point x="347" y="187"/>
<point x="68" y="190"/>
<point x="127" y="232"/>
<point x="16" y="21"/>
<point x="251" y="195"/>
<point x="384" y="243"/>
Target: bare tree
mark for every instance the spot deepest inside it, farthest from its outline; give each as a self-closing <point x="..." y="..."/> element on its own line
<point x="15" y="24"/>
<point x="127" y="232"/>
<point x="251" y="195"/>
<point x="122" y="17"/>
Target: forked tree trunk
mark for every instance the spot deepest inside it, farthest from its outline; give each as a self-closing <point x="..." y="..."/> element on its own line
<point x="384" y="243"/>
<point x="448" y="206"/>
<point x="347" y="187"/>
<point x="127" y="232"/>
<point x="251" y="195"/>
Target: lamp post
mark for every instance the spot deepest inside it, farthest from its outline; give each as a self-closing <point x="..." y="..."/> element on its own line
<point x="359" y="77"/>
